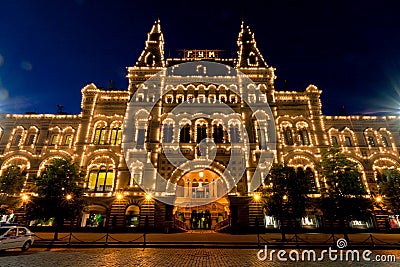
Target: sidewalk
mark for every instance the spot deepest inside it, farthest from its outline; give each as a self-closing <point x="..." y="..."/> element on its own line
<point x="210" y="239"/>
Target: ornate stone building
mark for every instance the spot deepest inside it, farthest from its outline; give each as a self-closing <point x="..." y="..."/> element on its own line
<point x="93" y="138"/>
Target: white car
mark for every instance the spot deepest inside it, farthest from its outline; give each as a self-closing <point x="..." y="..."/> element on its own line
<point x="15" y="237"/>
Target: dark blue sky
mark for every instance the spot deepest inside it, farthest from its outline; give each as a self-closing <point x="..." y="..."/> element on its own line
<point x="50" y="49"/>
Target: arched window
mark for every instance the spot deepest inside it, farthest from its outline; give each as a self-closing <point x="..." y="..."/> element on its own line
<point x="347" y="140"/>
<point x="287" y="134"/>
<point x="150" y="59"/>
<point x="53" y="139"/>
<point x="116" y="136"/>
<point x="310" y="177"/>
<point x="140" y="138"/>
<point x="201" y="132"/>
<point x="99" y="135"/>
<point x="184" y="136"/>
<point x="235" y="135"/>
<point x="384" y="141"/>
<point x="168" y="133"/>
<point x="262" y="141"/>
<point x="303" y="137"/>
<point x="371" y="141"/>
<point x="334" y="140"/>
<point x="252" y="59"/>
<point x="68" y="139"/>
<point x="101" y="180"/>
<point x="218" y="133"/>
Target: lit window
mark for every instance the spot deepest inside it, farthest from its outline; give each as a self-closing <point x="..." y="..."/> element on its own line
<point x="101" y="180"/>
<point x="53" y="140"/>
<point x="68" y="140"/>
<point x="99" y="135"/>
<point x="116" y="136"/>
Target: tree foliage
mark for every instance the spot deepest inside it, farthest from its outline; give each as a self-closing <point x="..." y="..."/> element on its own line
<point x="343" y="196"/>
<point x="12" y="181"/>
<point x="60" y="178"/>
<point x="287" y="194"/>
<point x="390" y="189"/>
<point x="11" y="184"/>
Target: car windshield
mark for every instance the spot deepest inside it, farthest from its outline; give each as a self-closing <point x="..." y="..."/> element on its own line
<point x="3" y="230"/>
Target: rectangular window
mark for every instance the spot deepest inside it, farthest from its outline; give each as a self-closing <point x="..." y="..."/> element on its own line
<point x="109" y="181"/>
<point x="99" y="136"/>
<point x="116" y="136"/>
<point x="92" y="180"/>
<point x="101" y="180"/>
<point x="140" y="139"/>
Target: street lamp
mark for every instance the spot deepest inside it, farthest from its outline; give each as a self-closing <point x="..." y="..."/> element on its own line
<point x="285" y="197"/>
<point x="148" y="196"/>
<point x="68" y="197"/>
<point x="119" y="196"/>
<point x="378" y="199"/>
<point x="257" y="197"/>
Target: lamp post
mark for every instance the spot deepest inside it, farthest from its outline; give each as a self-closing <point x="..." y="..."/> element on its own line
<point x="25" y="200"/>
<point x="69" y="198"/>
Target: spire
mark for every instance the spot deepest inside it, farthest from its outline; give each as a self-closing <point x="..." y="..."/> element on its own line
<point x="249" y="55"/>
<point x="153" y="53"/>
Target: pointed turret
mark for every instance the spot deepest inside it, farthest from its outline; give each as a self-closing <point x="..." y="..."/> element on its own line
<point x="153" y="53"/>
<point x="249" y="55"/>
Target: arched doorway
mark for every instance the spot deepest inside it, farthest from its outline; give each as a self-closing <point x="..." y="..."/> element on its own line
<point x="132" y="216"/>
<point x="95" y="216"/>
<point x="198" y="200"/>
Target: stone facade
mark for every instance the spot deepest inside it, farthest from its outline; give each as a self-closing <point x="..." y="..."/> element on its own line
<point x="93" y="138"/>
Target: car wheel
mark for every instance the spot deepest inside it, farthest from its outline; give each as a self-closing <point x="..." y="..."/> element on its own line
<point x="26" y="246"/>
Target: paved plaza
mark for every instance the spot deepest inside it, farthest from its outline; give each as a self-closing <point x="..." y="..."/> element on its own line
<point x="91" y="257"/>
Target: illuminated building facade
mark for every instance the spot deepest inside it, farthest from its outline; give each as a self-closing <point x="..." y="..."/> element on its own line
<point x="93" y="138"/>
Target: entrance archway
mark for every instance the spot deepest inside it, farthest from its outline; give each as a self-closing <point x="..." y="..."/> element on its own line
<point x="197" y="201"/>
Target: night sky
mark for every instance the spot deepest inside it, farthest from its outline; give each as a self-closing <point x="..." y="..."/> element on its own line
<point x="50" y="49"/>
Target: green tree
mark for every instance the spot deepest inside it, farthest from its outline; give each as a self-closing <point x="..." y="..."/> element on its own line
<point x="390" y="189"/>
<point x="287" y="195"/>
<point x="343" y="197"/>
<point x="60" y="193"/>
<point x="11" y="183"/>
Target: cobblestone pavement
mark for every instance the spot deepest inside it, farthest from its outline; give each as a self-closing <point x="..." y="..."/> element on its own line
<point x="159" y="257"/>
